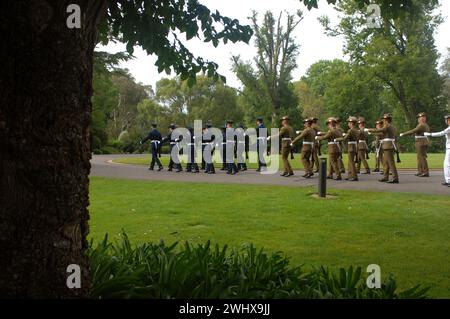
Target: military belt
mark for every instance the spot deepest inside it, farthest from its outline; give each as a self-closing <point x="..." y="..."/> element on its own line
<point x="392" y="140"/>
<point x="286" y="139"/>
<point x="155" y="141"/>
<point x="353" y="142"/>
<point x="420" y="136"/>
<point x="308" y="143"/>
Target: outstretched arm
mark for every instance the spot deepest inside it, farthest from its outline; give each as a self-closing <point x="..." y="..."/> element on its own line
<point x="439" y="134"/>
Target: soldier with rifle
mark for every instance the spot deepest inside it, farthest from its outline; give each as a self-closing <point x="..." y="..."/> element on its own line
<point x="421" y="144"/>
<point x="363" y="147"/>
<point x="341" y="146"/>
<point x="173" y="142"/>
<point x="208" y="147"/>
<point x="191" y="165"/>
<point x="388" y="144"/>
<point x="230" y="148"/>
<point x="155" y="146"/>
<point x="241" y="147"/>
<point x="333" y="148"/>
<point x="351" y="137"/>
<point x="286" y="135"/>
<point x="308" y="135"/>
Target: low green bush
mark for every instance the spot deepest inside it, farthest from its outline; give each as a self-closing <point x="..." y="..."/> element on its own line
<point x="149" y="270"/>
<point x="110" y="150"/>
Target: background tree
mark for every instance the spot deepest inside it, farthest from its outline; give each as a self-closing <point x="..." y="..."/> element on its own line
<point x="344" y="90"/>
<point x="446" y="75"/>
<point x="268" y="88"/>
<point x="125" y="111"/>
<point x="400" y="54"/>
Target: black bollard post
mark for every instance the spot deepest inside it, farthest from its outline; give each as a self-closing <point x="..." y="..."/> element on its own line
<point x="323" y="177"/>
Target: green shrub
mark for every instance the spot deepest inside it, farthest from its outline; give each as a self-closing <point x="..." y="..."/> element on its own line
<point x="110" y="150"/>
<point x="201" y="271"/>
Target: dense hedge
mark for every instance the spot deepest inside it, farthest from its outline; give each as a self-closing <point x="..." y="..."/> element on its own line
<point x="201" y="271"/>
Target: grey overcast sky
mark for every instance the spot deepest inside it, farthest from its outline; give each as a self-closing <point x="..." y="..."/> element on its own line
<point x="315" y="45"/>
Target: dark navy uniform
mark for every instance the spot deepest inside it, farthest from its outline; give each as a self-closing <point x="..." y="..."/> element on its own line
<point x="155" y="145"/>
<point x="230" y="145"/>
<point x="191" y="166"/>
<point x="224" y="148"/>
<point x="242" y="165"/>
<point x="173" y="142"/>
<point x="207" y="146"/>
<point x="261" y="143"/>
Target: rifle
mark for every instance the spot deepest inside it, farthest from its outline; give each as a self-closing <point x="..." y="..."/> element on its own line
<point x="398" y="156"/>
<point x="319" y="151"/>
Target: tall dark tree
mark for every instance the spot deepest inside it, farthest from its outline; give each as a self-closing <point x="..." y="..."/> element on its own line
<point x="45" y="112"/>
<point x="267" y="86"/>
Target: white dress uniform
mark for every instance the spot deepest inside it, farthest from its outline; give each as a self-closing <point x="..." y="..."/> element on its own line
<point x="445" y="133"/>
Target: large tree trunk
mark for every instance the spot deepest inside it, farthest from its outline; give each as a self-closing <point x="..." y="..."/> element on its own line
<point x="46" y="88"/>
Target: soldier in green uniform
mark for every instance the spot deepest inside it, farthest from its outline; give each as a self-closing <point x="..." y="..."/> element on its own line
<point x="377" y="145"/>
<point x="389" y="147"/>
<point x="333" y="148"/>
<point x="421" y="144"/>
<point x="363" y="147"/>
<point x="286" y="135"/>
<point x="352" y="146"/>
<point x="316" y="148"/>
<point x="308" y="135"/>
<point x="341" y="146"/>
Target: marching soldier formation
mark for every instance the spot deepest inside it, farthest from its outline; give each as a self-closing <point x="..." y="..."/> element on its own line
<point x="355" y="141"/>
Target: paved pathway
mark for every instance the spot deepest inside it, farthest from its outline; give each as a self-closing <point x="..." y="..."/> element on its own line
<point x="102" y="166"/>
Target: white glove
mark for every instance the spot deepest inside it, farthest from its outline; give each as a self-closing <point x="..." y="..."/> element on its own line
<point x="317" y="137"/>
<point x="292" y="144"/>
<point x="401" y="134"/>
<point x="140" y="142"/>
<point x="335" y="140"/>
<point x="268" y="138"/>
<point x="297" y="132"/>
<point x="344" y="134"/>
<point x="366" y="130"/>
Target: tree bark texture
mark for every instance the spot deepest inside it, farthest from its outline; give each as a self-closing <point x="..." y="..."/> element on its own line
<point x="45" y="107"/>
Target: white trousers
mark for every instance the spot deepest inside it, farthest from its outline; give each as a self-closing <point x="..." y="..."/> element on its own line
<point x="447" y="166"/>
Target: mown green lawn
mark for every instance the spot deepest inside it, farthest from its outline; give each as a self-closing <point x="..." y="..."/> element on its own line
<point x="406" y="234"/>
<point x="408" y="161"/>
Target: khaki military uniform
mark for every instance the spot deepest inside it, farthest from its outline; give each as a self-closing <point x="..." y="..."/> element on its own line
<point x="388" y="144"/>
<point x="363" y="148"/>
<point x="333" y="151"/>
<point x="421" y="147"/>
<point x="308" y="136"/>
<point x="341" y="148"/>
<point x="378" y="151"/>
<point x="315" y="152"/>
<point x="352" y="147"/>
<point x="286" y="135"/>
